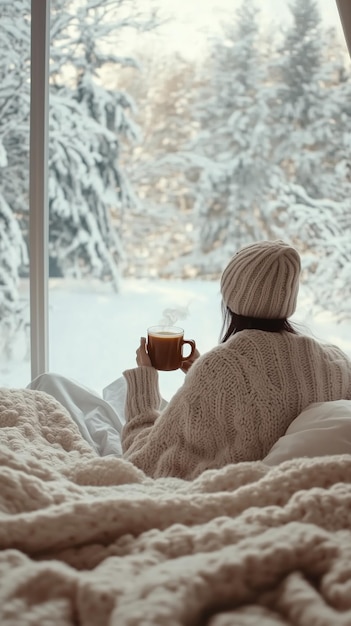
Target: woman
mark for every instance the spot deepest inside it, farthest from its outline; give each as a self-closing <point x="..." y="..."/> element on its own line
<point x="239" y="398"/>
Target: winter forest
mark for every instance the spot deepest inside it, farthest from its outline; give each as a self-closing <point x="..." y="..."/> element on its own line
<point x="161" y="164"/>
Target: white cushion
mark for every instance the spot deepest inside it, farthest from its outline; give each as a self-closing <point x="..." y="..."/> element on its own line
<point x="321" y="429"/>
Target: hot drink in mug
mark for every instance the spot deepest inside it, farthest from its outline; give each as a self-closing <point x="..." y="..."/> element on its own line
<point x="165" y="347"/>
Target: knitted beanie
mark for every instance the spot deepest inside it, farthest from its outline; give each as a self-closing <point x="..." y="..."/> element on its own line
<point x="262" y="280"/>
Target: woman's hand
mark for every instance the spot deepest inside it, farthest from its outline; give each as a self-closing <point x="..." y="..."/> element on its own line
<point x="142" y="357"/>
<point x="186" y="364"/>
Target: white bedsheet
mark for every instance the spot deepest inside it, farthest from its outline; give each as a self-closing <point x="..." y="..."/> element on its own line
<point x="99" y="419"/>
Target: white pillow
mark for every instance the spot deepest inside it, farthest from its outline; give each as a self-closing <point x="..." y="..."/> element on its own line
<point x="321" y="429"/>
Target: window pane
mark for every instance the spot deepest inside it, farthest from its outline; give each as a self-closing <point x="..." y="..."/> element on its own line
<point x="175" y="141"/>
<point x="14" y="192"/>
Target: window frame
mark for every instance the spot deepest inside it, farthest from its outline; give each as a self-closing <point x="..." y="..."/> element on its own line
<point x="38" y="193"/>
<point x="344" y="9"/>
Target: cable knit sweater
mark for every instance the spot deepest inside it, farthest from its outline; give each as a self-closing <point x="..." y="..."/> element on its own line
<point x="235" y="403"/>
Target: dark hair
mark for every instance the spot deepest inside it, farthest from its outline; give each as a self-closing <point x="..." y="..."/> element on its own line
<point x="233" y="323"/>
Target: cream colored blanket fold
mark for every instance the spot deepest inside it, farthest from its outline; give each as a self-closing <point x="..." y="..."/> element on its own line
<point x="92" y="541"/>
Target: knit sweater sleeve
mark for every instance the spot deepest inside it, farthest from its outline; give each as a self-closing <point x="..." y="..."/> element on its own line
<point x="179" y="440"/>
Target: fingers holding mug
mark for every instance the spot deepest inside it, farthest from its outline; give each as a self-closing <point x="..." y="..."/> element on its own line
<point x="142" y="357"/>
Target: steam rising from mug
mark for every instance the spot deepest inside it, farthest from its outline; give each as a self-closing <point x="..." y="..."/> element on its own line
<point x="171" y="316"/>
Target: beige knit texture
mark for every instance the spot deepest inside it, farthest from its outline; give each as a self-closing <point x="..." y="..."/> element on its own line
<point x="262" y="280"/>
<point x="235" y="403"/>
<point x="88" y="541"/>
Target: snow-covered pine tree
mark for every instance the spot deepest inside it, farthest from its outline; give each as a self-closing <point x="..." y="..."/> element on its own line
<point x="88" y="124"/>
<point x="321" y="228"/>
<point x="13" y="254"/>
<point x="334" y="179"/>
<point x="312" y="115"/>
<point x="300" y="98"/>
<point x="234" y="143"/>
<point x="158" y="229"/>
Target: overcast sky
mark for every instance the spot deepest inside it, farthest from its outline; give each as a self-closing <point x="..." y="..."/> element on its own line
<point x="206" y="12"/>
<point x="192" y="19"/>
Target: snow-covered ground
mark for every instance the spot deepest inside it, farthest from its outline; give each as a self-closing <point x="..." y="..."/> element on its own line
<point x="94" y="333"/>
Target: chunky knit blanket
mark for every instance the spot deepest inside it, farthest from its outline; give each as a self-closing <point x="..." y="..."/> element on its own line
<point x="92" y="541"/>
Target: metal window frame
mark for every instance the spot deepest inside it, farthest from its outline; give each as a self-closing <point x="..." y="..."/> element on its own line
<point x="38" y="176"/>
<point x="344" y="8"/>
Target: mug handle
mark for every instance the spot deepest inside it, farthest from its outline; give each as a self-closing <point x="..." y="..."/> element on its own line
<point x="192" y="344"/>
